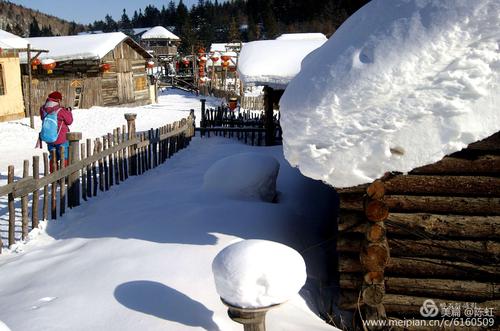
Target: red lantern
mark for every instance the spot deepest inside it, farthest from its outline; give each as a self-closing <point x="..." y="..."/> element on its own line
<point x="225" y="64"/>
<point x="225" y="57"/>
<point x="150" y="64"/>
<point x="185" y="62"/>
<point x="35" y="63"/>
<point x="49" y="65"/>
<point x="105" y="67"/>
<point x="214" y="58"/>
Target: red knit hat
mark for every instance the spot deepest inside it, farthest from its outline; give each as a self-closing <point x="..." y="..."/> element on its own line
<point x="56" y="95"/>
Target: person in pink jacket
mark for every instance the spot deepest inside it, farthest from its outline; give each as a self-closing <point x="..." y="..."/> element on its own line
<point x="64" y="119"/>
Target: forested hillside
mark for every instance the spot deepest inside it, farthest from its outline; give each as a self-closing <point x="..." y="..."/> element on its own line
<point x="246" y="20"/>
<point x="26" y="22"/>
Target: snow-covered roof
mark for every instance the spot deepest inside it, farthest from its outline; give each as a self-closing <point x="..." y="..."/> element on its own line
<point x="222" y="47"/>
<point x="273" y="62"/>
<point x="159" y="32"/>
<point x="11" y="41"/>
<point x="399" y="85"/>
<point x="302" y="36"/>
<point x="81" y="47"/>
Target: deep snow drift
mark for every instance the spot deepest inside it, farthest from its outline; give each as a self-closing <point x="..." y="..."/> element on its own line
<point x="244" y="175"/>
<point x="258" y="273"/>
<point x="400" y="84"/>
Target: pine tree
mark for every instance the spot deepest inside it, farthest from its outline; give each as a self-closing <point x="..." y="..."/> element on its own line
<point x="110" y="25"/>
<point x="125" y="24"/>
<point x="34" y="29"/>
<point x="18" y="30"/>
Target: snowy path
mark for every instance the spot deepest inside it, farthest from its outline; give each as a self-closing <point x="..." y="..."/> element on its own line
<point x="17" y="139"/>
<point x="139" y="256"/>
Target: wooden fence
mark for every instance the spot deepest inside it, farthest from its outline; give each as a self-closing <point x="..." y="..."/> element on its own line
<point x="252" y="103"/>
<point x="93" y="166"/>
<point x="252" y="128"/>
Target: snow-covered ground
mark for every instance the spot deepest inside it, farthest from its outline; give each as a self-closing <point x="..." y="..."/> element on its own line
<point x="140" y="255"/>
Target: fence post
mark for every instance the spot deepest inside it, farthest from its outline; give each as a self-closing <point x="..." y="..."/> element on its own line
<point x="12" y="211"/>
<point x="133" y="149"/>
<point x="74" y="180"/>
<point x="203" y="122"/>
<point x="36" y="194"/>
<point x="268" y="118"/>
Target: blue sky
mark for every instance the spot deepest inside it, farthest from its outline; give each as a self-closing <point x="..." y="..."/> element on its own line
<point x="87" y="11"/>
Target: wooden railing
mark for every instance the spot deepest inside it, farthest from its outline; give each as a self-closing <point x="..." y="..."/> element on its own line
<point x="252" y="128"/>
<point x="93" y="166"/>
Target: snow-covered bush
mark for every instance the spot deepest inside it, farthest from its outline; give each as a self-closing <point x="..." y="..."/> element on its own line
<point x="244" y="176"/>
<point x="400" y="84"/>
<point x="258" y="273"/>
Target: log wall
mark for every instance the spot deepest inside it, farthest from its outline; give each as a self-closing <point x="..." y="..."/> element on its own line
<point x="433" y="233"/>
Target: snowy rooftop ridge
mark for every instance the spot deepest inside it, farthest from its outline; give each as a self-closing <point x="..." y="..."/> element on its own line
<point x="11" y="41"/>
<point x="79" y="47"/>
<point x="302" y="36"/>
<point x="274" y="62"/>
<point x="159" y="32"/>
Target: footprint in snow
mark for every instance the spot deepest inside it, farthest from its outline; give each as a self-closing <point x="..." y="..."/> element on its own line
<point x="42" y="302"/>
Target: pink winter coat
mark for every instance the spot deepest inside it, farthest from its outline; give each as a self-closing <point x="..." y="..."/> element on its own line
<point x="64" y="117"/>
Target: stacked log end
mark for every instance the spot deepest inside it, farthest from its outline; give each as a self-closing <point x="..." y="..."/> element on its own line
<point x="441" y="225"/>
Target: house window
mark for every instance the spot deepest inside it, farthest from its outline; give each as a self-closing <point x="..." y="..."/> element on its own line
<point x="2" y="81"/>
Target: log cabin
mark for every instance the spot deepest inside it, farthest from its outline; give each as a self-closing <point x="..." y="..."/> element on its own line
<point x="107" y="69"/>
<point x="160" y="42"/>
<point x="433" y="233"/>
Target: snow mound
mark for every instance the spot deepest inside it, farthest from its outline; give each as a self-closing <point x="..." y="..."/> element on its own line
<point x="258" y="273"/>
<point x="4" y="327"/>
<point x="302" y="36"/>
<point x="244" y="175"/>
<point x="399" y="85"/>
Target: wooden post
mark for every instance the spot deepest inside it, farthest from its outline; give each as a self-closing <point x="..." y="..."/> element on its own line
<point x="268" y="119"/>
<point x="45" y="214"/>
<point x="30" y="78"/>
<point x="116" y="157"/>
<point x="53" y="191"/>
<point x="62" y="193"/>
<point x="111" y="161"/>
<point x="83" y="150"/>
<point x="24" y="204"/>
<point x="118" y="136"/>
<point x="133" y="149"/>
<point x="101" y="165"/>
<point x="12" y="210"/>
<point x="125" y="153"/>
<point x="73" y="179"/>
<point x="36" y="194"/>
<point x="252" y="319"/>
<point x="89" y="169"/>
<point x="105" y="162"/>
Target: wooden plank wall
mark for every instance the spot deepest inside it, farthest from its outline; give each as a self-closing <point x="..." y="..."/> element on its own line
<point x="126" y="82"/>
<point x="66" y="85"/>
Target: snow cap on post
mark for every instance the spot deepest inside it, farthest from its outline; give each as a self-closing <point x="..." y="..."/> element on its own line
<point x="258" y="273"/>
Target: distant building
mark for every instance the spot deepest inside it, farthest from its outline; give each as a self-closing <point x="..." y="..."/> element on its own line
<point x="11" y="95"/>
<point x="160" y="41"/>
<point x="104" y="69"/>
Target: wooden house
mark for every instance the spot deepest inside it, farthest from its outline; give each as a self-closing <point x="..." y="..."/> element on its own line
<point x="431" y="234"/>
<point x="273" y="64"/>
<point x="11" y="96"/>
<point x="160" y="42"/>
<point x="106" y="69"/>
